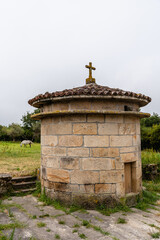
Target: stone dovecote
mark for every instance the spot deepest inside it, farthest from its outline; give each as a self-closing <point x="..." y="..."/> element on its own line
<point x="90" y="144"/>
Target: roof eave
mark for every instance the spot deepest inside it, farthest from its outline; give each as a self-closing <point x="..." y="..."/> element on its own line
<point x="39" y="103"/>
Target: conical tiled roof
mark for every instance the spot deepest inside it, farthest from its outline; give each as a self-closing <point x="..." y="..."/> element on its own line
<point x="91" y="90"/>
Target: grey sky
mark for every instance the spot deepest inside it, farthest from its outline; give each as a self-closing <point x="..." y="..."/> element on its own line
<point x="44" y="46"/>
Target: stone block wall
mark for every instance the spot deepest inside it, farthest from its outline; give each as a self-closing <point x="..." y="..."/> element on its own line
<point x="5" y="183"/>
<point x="84" y="156"/>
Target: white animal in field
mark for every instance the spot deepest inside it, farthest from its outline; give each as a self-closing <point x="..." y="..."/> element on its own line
<point x="25" y="142"/>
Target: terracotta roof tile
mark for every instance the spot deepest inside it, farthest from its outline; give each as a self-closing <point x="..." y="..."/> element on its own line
<point x="91" y="89"/>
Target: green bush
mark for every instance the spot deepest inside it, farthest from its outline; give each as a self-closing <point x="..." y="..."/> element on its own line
<point x="150" y="156"/>
<point x="150" y="132"/>
<point x="145" y="137"/>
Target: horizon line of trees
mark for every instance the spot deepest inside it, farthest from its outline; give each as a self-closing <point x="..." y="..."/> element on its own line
<point x="29" y="129"/>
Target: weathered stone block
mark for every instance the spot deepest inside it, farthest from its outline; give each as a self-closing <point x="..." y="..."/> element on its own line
<point x="74" y="188"/>
<point x="73" y="118"/>
<point x="104" y="152"/>
<point x="129" y="157"/>
<point x="108" y="129"/>
<point x="60" y="106"/>
<point x="56" y="119"/>
<point x="95" y="118"/>
<point x="87" y="188"/>
<point x="98" y="163"/>
<point x="58" y="151"/>
<point x="136" y="140"/>
<point x="111" y="176"/>
<point x="65" y="187"/>
<point x="120" y="141"/>
<point x="139" y="184"/>
<point x="130" y="119"/>
<point x="102" y="105"/>
<point x="47" y="108"/>
<point x="84" y="177"/>
<point x="128" y="149"/>
<point x="85" y="128"/>
<point x="70" y="141"/>
<point x="104" y="188"/>
<point x="63" y="197"/>
<point x="78" y="152"/>
<point x="137" y="164"/>
<point x="49" y="141"/>
<point x="46" y="121"/>
<point x="43" y="130"/>
<point x="114" y="118"/>
<point x="96" y="141"/>
<point x="46" y="129"/>
<point x="138" y="130"/>
<point x="48" y="184"/>
<point x="61" y="128"/>
<point x="57" y="175"/>
<point x="46" y="150"/>
<point x="62" y="187"/>
<point x="43" y="160"/>
<point x="52" y="162"/>
<point x="43" y="172"/>
<point x="5" y="183"/>
<point x="42" y="182"/>
<point x="119" y="165"/>
<point x="120" y="189"/>
<point x="80" y="105"/>
<point x="69" y="163"/>
<point x="127" y="129"/>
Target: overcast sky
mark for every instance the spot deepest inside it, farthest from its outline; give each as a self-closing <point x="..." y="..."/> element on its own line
<point x="45" y="45"/>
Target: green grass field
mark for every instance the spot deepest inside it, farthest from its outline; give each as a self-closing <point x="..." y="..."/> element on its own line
<point x="150" y="157"/>
<point x="19" y="161"/>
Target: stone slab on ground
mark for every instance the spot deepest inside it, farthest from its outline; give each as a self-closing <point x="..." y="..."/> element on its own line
<point x="29" y="212"/>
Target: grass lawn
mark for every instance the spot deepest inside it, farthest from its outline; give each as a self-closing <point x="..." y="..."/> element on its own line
<point x="19" y="161"/>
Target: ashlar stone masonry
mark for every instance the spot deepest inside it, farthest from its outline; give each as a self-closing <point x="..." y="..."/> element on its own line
<point x="90" y="143"/>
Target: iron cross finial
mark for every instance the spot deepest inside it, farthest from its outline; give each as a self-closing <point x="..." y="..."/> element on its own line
<point x="90" y="79"/>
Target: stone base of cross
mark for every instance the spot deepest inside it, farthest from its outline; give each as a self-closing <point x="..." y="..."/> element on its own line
<point x="90" y="80"/>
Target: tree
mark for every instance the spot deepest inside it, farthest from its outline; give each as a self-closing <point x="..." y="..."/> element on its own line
<point x="31" y="127"/>
<point x="36" y="131"/>
<point x="4" y="133"/>
<point x="146" y="137"/>
<point x="15" y="132"/>
<point x="155" y="137"/>
<point x="149" y="122"/>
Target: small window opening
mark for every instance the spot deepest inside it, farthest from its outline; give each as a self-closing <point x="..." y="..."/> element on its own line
<point x="127" y="108"/>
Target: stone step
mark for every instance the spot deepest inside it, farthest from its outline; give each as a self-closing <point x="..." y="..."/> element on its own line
<point x="23" y="179"/>
<point x="23" y="185"/>
<point x="29" y="190"/>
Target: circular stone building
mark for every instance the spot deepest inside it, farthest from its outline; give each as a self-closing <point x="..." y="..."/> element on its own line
<point x="90" y="144"/>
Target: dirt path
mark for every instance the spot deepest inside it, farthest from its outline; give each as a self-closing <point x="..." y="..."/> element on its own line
<point x="34" y="221"/>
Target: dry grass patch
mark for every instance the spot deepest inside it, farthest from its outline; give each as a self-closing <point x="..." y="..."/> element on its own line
<point x="19" y="161"/>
